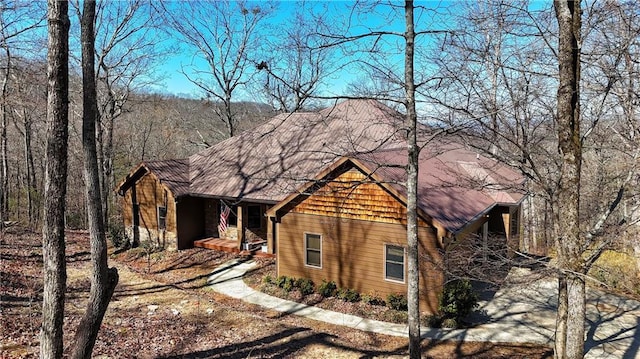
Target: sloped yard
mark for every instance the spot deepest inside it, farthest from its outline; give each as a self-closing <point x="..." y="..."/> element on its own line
<point x="162" y="308"/>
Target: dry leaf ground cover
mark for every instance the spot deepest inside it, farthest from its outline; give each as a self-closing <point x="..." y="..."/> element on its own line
<point x="162" y="308"/>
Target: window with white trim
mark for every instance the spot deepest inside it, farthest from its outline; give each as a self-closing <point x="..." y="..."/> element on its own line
<point x="313" y="250"/>
<point x="162" y="217"/>
<point x="394" y="263"/>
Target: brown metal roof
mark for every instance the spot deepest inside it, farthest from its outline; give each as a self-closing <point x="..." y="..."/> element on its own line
<point x="172" y="173"/>
<point x="455" y="185"/>
<point x="277" y="158"/>
<point x="272" y="160"/>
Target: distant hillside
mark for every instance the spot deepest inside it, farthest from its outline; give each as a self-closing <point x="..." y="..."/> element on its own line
<point x="163" y="127"/>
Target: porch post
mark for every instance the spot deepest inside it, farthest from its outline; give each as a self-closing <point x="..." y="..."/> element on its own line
<point x="506" y="217"/>
<point x="485" y="239"/>
<point x="270" y="224"/>
<point x="240" y="226"/>
<point x="506" y="220"/>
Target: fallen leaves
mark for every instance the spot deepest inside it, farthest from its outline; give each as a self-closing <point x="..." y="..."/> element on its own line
<point x="163" y="308"/>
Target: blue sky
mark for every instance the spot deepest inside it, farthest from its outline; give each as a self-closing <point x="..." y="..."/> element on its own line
<point x="438" y="15"/>
<point x="392" y="20"/>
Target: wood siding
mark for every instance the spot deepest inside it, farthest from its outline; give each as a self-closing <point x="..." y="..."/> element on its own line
<point x="355" y="222"/>
<point x="353" y="196"/>
<point x="149" y="194"/>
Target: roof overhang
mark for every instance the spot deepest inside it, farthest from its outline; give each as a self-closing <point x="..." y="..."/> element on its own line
<point x="342" y="164"/>
<point x="132" y="178"/>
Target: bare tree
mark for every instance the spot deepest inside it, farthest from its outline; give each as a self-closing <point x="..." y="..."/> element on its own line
<point x="579" y="246"/>
<point x="223" y="35"/>
<point x="28" y="108"/>
<point x="294" y="65"/>
<point x="53" y="247"/>
<point x="498" y="86"/>
<point x="413" y="264"/>
<point x="103" y="279"/>
<point x="128" y="45"/>
<point x="401" y="90"/>
<point x="497" y="81"/>
<point x="569" y="341"/>
<point x="612" y="127"/>
<point x="17" y="19"/>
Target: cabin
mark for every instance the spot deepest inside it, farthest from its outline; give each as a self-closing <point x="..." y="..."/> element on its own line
<point x="158" y="208"/>
<point x="348" y="224"/>
<point x="324" y="192"/>
<point x="220" y="197"/>
<point x="217" y="198"/>
<point x="152" y="195"/>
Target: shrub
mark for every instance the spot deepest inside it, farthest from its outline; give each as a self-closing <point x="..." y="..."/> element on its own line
<point x="450" y="323"/>
<point x="327" y="289"/>
<point x="286" y="283"/>
<point x="433" y="321"/>
<point x="395" y="316"/>
<point x="372" y="299"/>
<point x="348" y="295"/>
<point x="117" y="234"/>
<point x="289" y="284"/>
<point x="305" y="286"/>
<point x="397" y="301"/>
<point x="267" y="279"/>
<point x="616" y="269"/>
<point x="458" y="299"/>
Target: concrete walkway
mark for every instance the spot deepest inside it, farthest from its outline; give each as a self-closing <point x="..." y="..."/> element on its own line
<point x="518" y="314"/>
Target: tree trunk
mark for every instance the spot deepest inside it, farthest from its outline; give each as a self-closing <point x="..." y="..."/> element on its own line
<point x="103" y="278"/>
<point x="576" y="296"/>
<point x="560" y="345"/>
<point x="107" y="159"/>
<point x="228" y="114"/>
<point x="31" y="176"/>
<point x="53" y="247"/>
<point x="413" y="273"/>
<point x="568" y="244"/>
<point x="636" y="250"/>
<point x="4" y="175"/>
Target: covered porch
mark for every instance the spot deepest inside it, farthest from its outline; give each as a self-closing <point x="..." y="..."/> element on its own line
<point x="224" y="224"/>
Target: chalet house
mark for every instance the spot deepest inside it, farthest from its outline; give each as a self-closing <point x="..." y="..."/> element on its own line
<point x="324" y="191"/>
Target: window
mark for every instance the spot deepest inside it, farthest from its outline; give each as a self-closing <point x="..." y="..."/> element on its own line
<point x="394" y="263"/>
<point x="254" y="217"/>
<point x="313" y="249"/>
<point x="162" y="217"/>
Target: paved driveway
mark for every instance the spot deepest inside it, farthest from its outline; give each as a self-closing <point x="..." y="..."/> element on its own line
<point x="521" y="312"/>
<point x="528" y="309"/>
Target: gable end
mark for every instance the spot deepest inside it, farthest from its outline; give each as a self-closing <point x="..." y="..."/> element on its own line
<point x="354" y="195"/>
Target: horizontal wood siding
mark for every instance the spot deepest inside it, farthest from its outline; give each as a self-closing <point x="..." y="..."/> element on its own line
<point x="151" y="194"/>
<point x="353" y="254"/>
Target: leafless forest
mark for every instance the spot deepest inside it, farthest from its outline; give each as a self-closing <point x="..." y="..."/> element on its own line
<point x="486" y="73"/>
